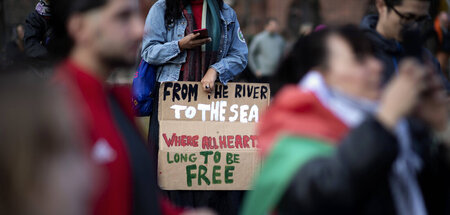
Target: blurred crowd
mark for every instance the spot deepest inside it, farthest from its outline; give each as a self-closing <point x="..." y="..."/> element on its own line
<point x="359" y="121"/>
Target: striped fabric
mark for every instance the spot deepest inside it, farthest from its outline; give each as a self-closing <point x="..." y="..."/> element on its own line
<point x="200" y="59"/>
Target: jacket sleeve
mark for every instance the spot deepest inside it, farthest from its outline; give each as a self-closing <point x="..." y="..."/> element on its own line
<point x="253" y="52"/>
<point x="156" y="50"/>
<point x="34" y="33"/>
<point x="235" y="60"/>
<point x="330" y="184"/>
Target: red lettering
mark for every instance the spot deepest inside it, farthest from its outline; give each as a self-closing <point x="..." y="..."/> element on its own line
<point x="230" y="142"/>
<point x="254" y="139"/>
<point x="216" y="146"/>
<point x="176" y="141"/>
<point x="238" y="142"/>
<point x="189" y="141"/>
<point x="223" y="142"/>
<point x="169" y="142"/>
<point x="195" y="139"/>
<point x="246" y="139"/>
<point x="183" y="140"/>
<point x="205" y="142"/>
<point x="208" y="143"/>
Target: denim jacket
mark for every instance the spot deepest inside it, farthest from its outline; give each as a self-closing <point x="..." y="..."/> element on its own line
<point x="160" y="45"/>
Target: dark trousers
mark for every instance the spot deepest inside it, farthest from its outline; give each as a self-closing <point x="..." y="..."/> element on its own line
<point x="223" y="202"/>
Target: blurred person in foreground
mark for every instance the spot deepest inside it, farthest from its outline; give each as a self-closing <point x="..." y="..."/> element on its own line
<point x="97" y="37"/>
<point x="43" y="166"/>
<point x="266" y="51"/>
<point x="179" y="54"/>
<point x="331" y="148"/>
<point x="387" y="30"/>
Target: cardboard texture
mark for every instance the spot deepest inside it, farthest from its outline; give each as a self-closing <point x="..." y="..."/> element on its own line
<point x="208" y="142"/>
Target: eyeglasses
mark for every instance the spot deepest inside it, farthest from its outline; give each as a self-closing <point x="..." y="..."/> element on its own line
<point x="411" y="18"/>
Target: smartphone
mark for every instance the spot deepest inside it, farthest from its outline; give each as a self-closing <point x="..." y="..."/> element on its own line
<point x="203" y="33"/>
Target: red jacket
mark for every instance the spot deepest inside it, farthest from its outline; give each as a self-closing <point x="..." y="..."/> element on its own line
<point x="107" y="145"/>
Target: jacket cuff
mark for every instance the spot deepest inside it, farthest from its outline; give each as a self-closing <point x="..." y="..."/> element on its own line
<point x="224" y="77"/>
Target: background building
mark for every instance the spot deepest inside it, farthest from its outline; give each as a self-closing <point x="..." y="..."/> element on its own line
<point x="292" y="13"/>
<point x="252" y="14"/>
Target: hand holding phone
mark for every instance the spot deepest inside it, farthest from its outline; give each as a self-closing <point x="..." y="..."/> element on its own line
<point x="203" y="33"/>
<point x="194" y="40"/>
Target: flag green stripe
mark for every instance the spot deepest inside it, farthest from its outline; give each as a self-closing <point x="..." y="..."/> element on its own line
<point x="277" y="171"/>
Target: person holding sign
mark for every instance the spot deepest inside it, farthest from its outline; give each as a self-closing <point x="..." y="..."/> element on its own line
<point x="330" y="148"/>
<point x="192" y="40"/>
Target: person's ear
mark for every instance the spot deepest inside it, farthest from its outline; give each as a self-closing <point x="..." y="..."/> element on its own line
<point x="381" y="6"/>
<point x="76" y="28"/>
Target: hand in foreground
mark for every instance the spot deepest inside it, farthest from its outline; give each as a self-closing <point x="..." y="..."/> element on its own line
<point x="432" y="107"/>
<point x="402" y="93"/>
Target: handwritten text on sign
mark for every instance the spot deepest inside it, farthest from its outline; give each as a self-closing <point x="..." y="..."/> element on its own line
<point x="220" y="106"/>
<point x="207" y="141"/>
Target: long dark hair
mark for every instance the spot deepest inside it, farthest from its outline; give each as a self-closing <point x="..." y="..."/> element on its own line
<point x="174" y="9"/>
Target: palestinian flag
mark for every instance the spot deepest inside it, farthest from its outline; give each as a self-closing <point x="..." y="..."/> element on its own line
<point x="294" y="130"/>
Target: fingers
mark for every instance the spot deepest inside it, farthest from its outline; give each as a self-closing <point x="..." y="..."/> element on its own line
<point x="413" y="73"/>
<point x="192" y="36"/>
<point x="422" y="82"/>
<point x="200" y="42"/>
<point x="185" y="43"/>
<point x="411" y="68"/>
<point x="193" y="42"/>
<point x="433" y="111"/>
<point x="406" y="87"/>
<point x="208" y="86"/>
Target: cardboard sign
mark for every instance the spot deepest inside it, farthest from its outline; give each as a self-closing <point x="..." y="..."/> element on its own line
<point x="207" y="141"/>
